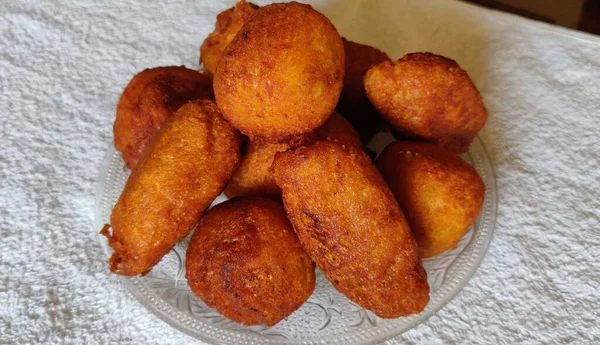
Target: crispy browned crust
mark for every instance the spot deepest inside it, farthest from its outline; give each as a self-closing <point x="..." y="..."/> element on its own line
<point x="245" y="261"/>
<point x="228" y="24"/>
<point x="440" y="194"/>
<point x="150" y="98"/>
<point x="282" y="74"/>
<point x="354" y="104"/>
<point x="350" y="224"/>
<point x="184" y="169"/>
<point x="253" y="177"/>
<point x="430" y="97"/>
<point x="337" y="128"/>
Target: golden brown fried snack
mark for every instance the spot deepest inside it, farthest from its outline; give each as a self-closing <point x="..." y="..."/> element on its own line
<point x="282" y="74"/>
<point x="337" y="128"/>
<point x="184" y="169"/>
<point x="354" y="103"/>
<point x="253" y="178"/>
<point x="229" y="22"/>
<point x="430" y="97"/>
<point x="150" y="98"/>
<point x="245" y="261"/>
<point x="440" y="194"/>
<point x="350" y="224"/>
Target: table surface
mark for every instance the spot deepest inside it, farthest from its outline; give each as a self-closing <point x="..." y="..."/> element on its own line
<point x="64" y="63"/>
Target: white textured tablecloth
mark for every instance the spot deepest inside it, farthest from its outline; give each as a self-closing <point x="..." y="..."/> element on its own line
<point x="63" y="65"/>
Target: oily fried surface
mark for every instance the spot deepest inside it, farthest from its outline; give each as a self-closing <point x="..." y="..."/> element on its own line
<point x="185" y="168"/>
<point x="252" y="178"/>
<point x="430" y="97"/>
<point x="354" y="103"/>
<point x="350" y="224"/>
<point x="440" y="194"/>
<point x="337" y="128"/>
<point x="245" y="261"/>
<point x="229" y="22"/>
<point x="282" y="74"/>
<point x="150" y="98"/>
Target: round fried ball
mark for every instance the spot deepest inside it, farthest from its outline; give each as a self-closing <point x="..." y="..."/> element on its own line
<point x="253" y="178"/>
<point x="440" y="194"/>
<point x="337" y="128"/>
<point x="150" y="98"/>
<point x="430" y="97"/>
<point x="229" y="22"/>
<point x="245" y="261"/>
<point x="354" y="104"/>
<point x="282" y="74"/>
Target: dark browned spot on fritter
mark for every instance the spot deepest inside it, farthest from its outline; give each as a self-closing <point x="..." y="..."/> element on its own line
<point x="316" y="221"/>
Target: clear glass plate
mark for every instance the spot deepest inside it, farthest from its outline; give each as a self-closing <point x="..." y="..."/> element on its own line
<point x="328" y="317"/>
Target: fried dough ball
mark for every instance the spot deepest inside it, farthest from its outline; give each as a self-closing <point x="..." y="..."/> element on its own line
<point x="150" y="98"/>
<point x="440" y="194"/>
<point x="354" y="103"/>
<point x="229" y="22"/>
<point x="282" y="74"/>
<point x="245" y="261"/>
<point x="350" y="224"/>
<point x="253" y="178"/>
<point x="337" y="128"/>
<point x="429" y="97"/>
<point x="184" y="169"/>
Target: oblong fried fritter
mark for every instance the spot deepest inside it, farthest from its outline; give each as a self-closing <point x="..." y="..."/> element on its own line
<point x="252" y="178"/>
<point x="150" y="98"/>
<point x="440" y="194"/>
<point x="354" y="104"/>
<point x="184" y="169"/>
<point x="228" y="24"/>
<point x="430" y="97"/>
<point x="245" y="261"/>
<point x="282" y="73"/>
<point x="350" y="224"/>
